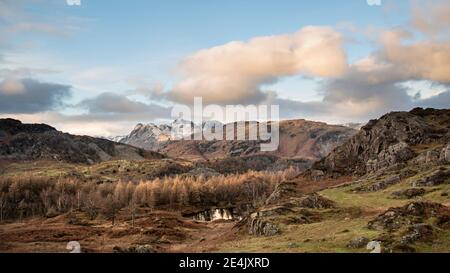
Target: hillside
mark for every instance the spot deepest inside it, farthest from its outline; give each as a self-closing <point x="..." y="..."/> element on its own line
<point x="31" y="142"/>
<point x="390" y="183"/>
<point x="390" y="141"/>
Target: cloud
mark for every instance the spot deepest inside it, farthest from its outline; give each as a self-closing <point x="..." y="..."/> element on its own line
<point x="111" y="106"/>
<point x="427" y="59"/>
<point x="440" y="101"/>
<point x="10" y="87"/>
<point x="431" y="17"/>
<point x="234" y="72"/>
<point x="31" y="96"/>
<point x="115" y="103"/>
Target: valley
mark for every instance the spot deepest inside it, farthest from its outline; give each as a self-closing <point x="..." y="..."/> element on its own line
<point x="389" y="182"/>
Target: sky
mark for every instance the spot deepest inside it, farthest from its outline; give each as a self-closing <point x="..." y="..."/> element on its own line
<point x="101" y="67"/>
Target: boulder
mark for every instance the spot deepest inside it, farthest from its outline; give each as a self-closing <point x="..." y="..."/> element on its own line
<point x="358" y="242"/>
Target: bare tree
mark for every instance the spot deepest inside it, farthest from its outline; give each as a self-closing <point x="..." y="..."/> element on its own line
<point x="3" y="204"/>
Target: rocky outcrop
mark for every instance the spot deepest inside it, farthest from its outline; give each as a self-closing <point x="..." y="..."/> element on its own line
<point x="418" y="232"/>
<point x="388" y="141"/>
<point x="261" y="227"/>
<point x="42" y="142"/>
<point x="410" y="214"/>
<point x="444" y="156"/>
<point x="282" y="191"/>
<point x="314" y="201"/>
<point x="409" y="193"/>
<point x="394" y="154"/>
<point x="380" y="184"/>
<point x="433" y="179"/>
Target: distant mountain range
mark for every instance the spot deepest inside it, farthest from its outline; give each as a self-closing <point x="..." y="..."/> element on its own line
<point x="298" y="139"/>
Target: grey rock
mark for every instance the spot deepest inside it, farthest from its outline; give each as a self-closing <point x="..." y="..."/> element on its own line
<point x="445" y="154"/>
<point x="358" y="242"/>
<point x="261" y="227"/>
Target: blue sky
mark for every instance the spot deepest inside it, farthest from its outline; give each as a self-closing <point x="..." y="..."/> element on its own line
<point x="128" y="48"/>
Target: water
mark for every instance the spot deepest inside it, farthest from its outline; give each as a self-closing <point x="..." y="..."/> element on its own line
<point x="214" y="215"/>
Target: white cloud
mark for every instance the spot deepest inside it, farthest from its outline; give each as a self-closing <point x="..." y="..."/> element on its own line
<point x="234" y="72"/>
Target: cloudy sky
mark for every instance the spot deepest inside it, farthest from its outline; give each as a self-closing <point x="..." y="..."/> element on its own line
<point x="101" y="67"/>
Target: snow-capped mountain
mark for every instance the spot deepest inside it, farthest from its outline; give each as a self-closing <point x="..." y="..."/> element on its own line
<point x="148" y="136"/>
<point x="152" y="137"/>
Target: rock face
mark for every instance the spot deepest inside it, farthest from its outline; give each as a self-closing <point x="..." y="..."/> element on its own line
<point x="42" y="142"/>
<point x="389" y="141"/>
<point x="394" y="154"/>
<point x="261" y="227"/>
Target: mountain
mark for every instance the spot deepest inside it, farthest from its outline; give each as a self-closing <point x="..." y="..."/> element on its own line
<point x="152" y="137"/>
<point x="298" y="139"/>
<point x="393" y="139"/>
<point x="20" y="141"/>
<point x="148" y="136"/>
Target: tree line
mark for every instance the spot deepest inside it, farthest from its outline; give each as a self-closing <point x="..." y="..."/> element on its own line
<point x="22" y="197"/>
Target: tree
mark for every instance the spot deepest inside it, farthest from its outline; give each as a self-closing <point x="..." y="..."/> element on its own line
<point x="91" y="206"/>
<point x="3" y="204"/>
<point x="132" y="206"/>
<point x="110" y="208"/>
